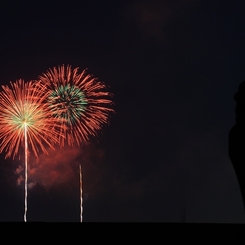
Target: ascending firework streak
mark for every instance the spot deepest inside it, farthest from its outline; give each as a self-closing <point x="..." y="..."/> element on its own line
<point x="26" y="151"/>
<point x="80" y="101"/>
<point x="24" y="117"/>
<point x="81" y="193"/>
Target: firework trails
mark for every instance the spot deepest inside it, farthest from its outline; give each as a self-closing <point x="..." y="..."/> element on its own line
<point x="80" y="101"/>
<point x="24" y="118"/>
<point x="81" y="193"/>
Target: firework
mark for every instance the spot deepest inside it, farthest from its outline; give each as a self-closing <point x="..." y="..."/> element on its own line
<point x="22" y="106"/>
<point x="81" y="193"/>
<point x="25" y="120"/>
<point x="79" y="100"/>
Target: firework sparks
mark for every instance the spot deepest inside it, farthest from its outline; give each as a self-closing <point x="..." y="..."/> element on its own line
<point x="22" y="106"/>
<point x="79" y="100"/>
<point x="24" y="118"/>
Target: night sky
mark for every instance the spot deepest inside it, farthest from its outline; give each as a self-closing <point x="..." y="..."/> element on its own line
<point x="173" y="67"/>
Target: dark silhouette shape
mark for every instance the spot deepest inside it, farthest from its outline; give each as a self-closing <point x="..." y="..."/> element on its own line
<point x="237" y="140"/>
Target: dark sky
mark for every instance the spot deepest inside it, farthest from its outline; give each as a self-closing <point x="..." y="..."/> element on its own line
<point x="173" y="67"/>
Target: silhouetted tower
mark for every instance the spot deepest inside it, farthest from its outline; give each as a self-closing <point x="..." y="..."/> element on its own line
<point x="237" y="139"/>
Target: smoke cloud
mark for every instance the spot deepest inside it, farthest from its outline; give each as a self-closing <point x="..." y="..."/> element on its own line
<point x="61" y="168"/>
<point x="152" y="17"/>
